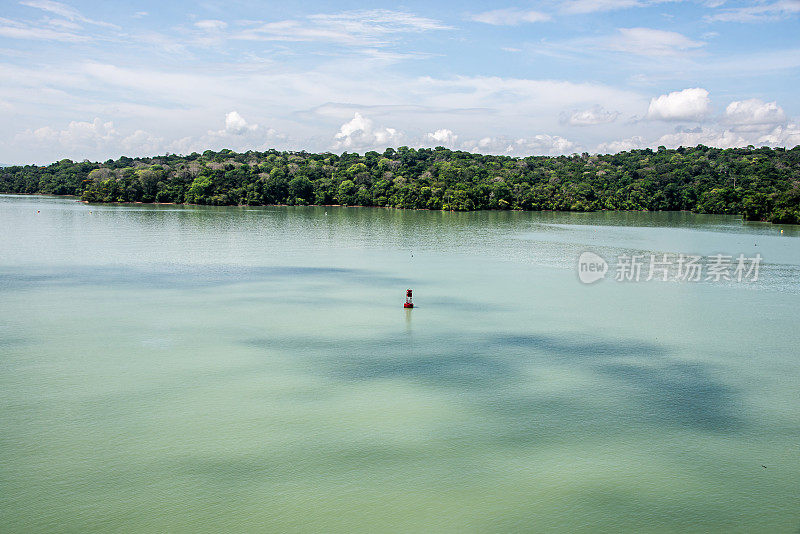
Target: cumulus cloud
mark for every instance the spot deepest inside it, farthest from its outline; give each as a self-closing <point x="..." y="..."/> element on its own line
<point x="96" y="139"/>
<point x="501" y="144"/>
<point x="588" y="117"/>
<point x="782" y="135"/>
<point x="689" y="104"/>
<point x="704" y="136"/>
<point x="141" y="142"/>
<point x="621" y="145"/>
<point x="235" y="124"/>
<point x="100" y="139"/>
<point x="545" y="144"/>
<point x="541" y="144"/>
<point x="77" y="135"/>
<point x="490" y="145"/>
<point x="359" y="133"/>
<point x="180" y="103"/>
<point x="510" y="17"/>
<point x="650" y="42"/>
<point x="238" y="134"/>
<point x="754" y="114"/>
<point x="442" y="137"/>
<point x="778" y="136"/>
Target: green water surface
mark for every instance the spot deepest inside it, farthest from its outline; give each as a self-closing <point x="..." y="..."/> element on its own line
<point x="198" y="369"/>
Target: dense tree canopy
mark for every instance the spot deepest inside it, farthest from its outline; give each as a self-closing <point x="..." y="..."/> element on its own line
<point x="759" y="183"/>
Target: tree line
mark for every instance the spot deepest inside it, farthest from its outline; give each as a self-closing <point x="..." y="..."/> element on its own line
<point x="757" y="183"/>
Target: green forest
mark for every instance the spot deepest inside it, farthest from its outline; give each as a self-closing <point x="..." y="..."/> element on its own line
<point x="761" y="184"/>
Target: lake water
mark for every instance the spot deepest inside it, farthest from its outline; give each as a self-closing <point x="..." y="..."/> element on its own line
<point x="198" y="369"/>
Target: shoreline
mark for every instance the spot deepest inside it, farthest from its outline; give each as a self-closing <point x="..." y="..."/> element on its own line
<point x="78" y="199"/>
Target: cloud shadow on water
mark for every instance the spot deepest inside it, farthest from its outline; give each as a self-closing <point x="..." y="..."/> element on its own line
<point x="497" y="370"/>
<point x="677" y="392"/>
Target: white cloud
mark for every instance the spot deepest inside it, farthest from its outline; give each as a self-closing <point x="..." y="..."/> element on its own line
<point x="760" y="12"/>
<point x="782" y="135"/>
<point x="209" y="33"/>
<point x="593" y="6"/>
<point x="176" y="104"/>
<point x="141" y="142"/>
<point x="588" y="117"/>
<point x="442" y="137"/>
<point x="65" y="11"/>
<point x="622" y="145"/>
<point x="100" y="140"/>
<point x="97" y="139"/>
<point x="519" y="96"/>
<point x="582" y="7"/>
<point x="545" y="144"/>
<point x="150" y="104"/>
<point x="22" y="30"/>
<point x="77" y="135"/>
<point x="689" y="104"/>
<point x="379" y="21"/>
<point x="359" y="133"/>
<point x="541" y="144"/>
<point x="62" y="24"/>
<point x="66" y="28"/>
<point x="211" y="25"/>
<point x="754" y="114"/>
<point x="650" y="42"/>
<point x="704" y="136"/>
<point x="510" y="17"/>
<point x="235" y="124"/>
<point x="237" y="134"/>
<point x="352" y="28"/>
<point x="490" y="145"/>
<point x="167" y="45"/>
<point x="788" y="136"/>
<point x="56" y="8"/>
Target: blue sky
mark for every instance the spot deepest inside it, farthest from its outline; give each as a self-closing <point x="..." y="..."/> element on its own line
<point x="96" y="80"/>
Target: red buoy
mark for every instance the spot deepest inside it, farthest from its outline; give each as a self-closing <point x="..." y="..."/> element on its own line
<point x="408" y="303"/>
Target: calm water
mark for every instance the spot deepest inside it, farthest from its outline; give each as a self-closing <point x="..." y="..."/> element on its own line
<point x="190" y="369"/>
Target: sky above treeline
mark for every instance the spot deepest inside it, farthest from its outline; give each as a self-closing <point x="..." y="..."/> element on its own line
<point x="98" y="80"/>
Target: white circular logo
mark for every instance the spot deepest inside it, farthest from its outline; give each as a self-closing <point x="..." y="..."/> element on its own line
<point x="591" y="267"/>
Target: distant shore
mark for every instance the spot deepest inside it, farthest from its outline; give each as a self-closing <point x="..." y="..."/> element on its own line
<point x="759" y="184"/>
